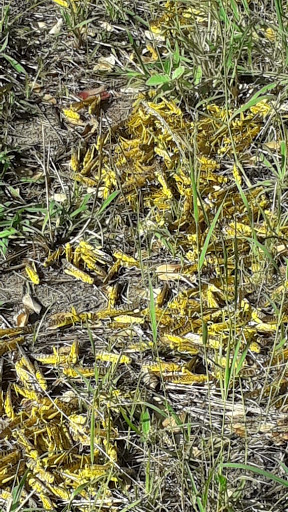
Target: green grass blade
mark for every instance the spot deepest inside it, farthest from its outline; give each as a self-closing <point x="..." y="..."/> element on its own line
<point x="82" y="207"/>
<point x="145" y="424"/>
<point x="108" y="201"/>
<point x="129" y="422"/>
<point x="256" y="98"/>
<point x="17" y="491"/>
<point x="264" y="249"/>
<point x="92" y="434"/>
<point x="4" y="44"/>
<point x="14" y="63"/>
<point x="153" y="314"/>
<point x="208" y="237"/>
<point x="201" y="508"/>
<point x="257" y="471"/>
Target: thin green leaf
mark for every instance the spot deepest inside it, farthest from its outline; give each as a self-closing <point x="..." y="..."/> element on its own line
<point x="78" y="490"/>
<point x="7" y="232"/>
<point x="155" y="408"/>
<point x="178" y="72"/>
<point x="197" y="75"/>
<point x="145" y="423"/>
<point x="209" y="234"/>
<point x="131" y="506"/>
<point x="256" y="98"/>
<point x="256" y="470"/>
<point x="176" y="54"/>
<point x="264" y="249"/>
<point x="165" y="242"/>
<point x="129" y="422"/>
<point x="82" y="207"/>
<point x="195" y="196"/>
<point x="153" y="313"/>
<point x="158" y="80"/>
<point x="14" y="63"/>
<point x="242" y="358"/>
<point x="4" y="44"/>
<point x="196" y="493"/>
<point x="167" y="66"/>
<point x="234" y="7"/>
<point x="17" y="491"/>
<point x="108" y="201"/>
<point x="284" y="467"/>
<point x="92" y="434"/>
<point x="135" y="48"/>
<point x="137" y="17"/>
<point x="283" y="149"/>
<point x="246" y="6"/>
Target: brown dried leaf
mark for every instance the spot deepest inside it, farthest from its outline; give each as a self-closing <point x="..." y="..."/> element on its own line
<point x="22" y="317"/>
